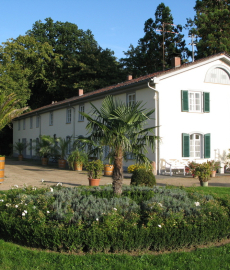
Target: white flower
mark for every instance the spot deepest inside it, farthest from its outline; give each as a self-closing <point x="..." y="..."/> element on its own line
<point x="23" y="214"/>
<point x="115" y="209"/>
<point x="197" y="203"/>
<point x="43" y="180"/>
<point x="159" y="226"/>
<point x="34" y="188"/>
<point x="8" y="204"/>
<point x="48" y="212"/>
<point x="160" y="204"/>
<point x="97" y="219"/>
<point x="34" y="207"/>
<point x="1" y="200"/>
<point x="16" y="206"/>
<point x="25" y="211"/>
<point x="59" y="184"/>
<point x="25" y="203"/>
<point x="16" y="186"/>
<point x="51" y="189"/>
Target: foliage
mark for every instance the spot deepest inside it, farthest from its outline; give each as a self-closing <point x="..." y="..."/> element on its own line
<point x="141" y="177"/>
<point x="203" y="171"/>
<point x="77" y="156"/>
<point x="8" y="108"/>
<point x="94" y="169"/>
<point x="45" y="146"/>
<point x="121" y="126"/>
<point x="147" y="57"/>
<point x="211" y="27"/>
<point x="214" y="165"/>
<point x="192" y="165"/>
<point x="19" y="146"/>
<point x="77" y="220"/>
<point x="62" y="147"/>
<point x="135" y="167"/>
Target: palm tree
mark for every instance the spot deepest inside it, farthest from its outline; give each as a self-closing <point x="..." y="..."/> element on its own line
<point x="8" y="110"/>
<point x="122" y="127"/>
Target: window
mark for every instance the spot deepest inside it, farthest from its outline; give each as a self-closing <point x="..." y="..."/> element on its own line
<point x="195" y="101"/>
<point x="68" y="115"/>
<point x="51" y="118"/>
<point x="81" y="109"/>
<point x="24" y="124"/>
<point x="131" y="98"/>
<point x="218" y="74"/>
<point x="31" y="122"/>
<point x="196" y="145"/>
<point x="19" y="125"/>
<point x="37" y="121"/>
<point x="68" y="150"/>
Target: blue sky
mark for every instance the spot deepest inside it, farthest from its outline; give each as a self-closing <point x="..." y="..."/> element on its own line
<point x="114" y="24"/>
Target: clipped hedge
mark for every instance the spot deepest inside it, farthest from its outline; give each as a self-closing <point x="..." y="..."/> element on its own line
<point x="91" y="219"/>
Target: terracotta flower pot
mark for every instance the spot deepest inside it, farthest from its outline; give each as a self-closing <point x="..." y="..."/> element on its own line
<point x="94" y="182"/>
<point x="44" y="161"/>
<point x="78" y="166"/>
<point x="20" y="157"/>
<point x="61" y="163"/>
<point x="213" y="174"/>
<point x="2" y="168"/>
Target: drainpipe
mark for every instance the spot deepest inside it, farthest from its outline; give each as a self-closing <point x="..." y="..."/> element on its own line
<point x="155" y="80"/>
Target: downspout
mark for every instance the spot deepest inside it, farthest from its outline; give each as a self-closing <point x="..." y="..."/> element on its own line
<point x="156" y="97"/>
<point x="73" y="120"/>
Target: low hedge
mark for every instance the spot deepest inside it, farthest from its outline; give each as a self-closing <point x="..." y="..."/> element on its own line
<point x="91" y="219"/>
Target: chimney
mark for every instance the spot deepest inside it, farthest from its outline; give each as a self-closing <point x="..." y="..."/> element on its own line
<point x="129" y="77"/>
<point x="80" y="92"/>
<point x="176" y="62"/>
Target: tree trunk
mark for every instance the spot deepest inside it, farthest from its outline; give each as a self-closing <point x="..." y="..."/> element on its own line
<point x="118" y="173"/>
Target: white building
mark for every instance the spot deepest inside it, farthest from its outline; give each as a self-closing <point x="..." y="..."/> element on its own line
<point x="192" y="105"/>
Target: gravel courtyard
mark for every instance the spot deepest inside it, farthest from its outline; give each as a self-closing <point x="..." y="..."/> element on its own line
<point x="31" y="173"/>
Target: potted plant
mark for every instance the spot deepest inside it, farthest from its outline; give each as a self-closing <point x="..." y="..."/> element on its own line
<point x="109" y="167"/>
<point x="203" y="172"/>
<point x="94" y="169"/>
<point x="20" y="146"/>
<point x="2" y="168"/>
<point x="45" y="147"/>
<point x="192" y="165"/>
<point x="61" y="149"/>
<point x="77" y="159"/>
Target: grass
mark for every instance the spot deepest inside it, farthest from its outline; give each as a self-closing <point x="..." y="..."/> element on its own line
<point x="19" y="258"/>
<point x="13" y="256"/>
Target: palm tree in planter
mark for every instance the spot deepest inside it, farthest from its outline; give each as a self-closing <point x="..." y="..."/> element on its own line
<point x="45" y="147"/>
<point x="20" y="146"/>
<point x="77" y="159"/>
<point x="122" y="126"/>
<point x="62" y="147"/>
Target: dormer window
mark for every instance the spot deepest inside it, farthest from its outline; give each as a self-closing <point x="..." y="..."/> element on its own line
<point x="218" y="74"/>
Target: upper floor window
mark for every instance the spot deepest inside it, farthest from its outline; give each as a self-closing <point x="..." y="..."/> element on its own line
<point x="37" y="121"/>
<point x="68" y="115"/>
<point x="81" y="109"/>
<point x="51" y="120"/>
<point x="195" y="101"/>
<point x="218" y="74"/>
<point x="131" y="98"/>
<point x="19" y="125"/>
<point x="31" y="122"/>
<point x="24" y="124"/>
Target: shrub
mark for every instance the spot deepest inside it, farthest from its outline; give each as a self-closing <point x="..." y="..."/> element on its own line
<point x="135" y="167"/>
<point x="141" y="177"/>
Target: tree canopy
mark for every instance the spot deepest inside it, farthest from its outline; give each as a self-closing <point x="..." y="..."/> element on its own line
<point x="211" y="26"/>
<point x="147" y="56"/>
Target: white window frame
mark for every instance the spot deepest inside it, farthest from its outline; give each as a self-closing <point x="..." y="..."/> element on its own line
<point x="81" y="109"/>
<point x="19" y="124"/>
<point x="37" y="121"/>
<point x="68" y="115"/>
<point x="24" y="124"/>
<point x="192" y="144"/>
<point x="131" y="98"/>
<point x="51" y="119"/>
<point x="192" y="105"/>
<point x="31" y="122"/>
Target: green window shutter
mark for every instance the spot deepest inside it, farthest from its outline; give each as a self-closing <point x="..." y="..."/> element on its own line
<point x="185" y="145"/>
<point x="206" y="100"/>
<point x="207" y="145"/>
<point x="184" y="100"/>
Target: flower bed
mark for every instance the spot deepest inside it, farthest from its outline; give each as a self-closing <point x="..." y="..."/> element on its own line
<point x="91" y="219"/>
